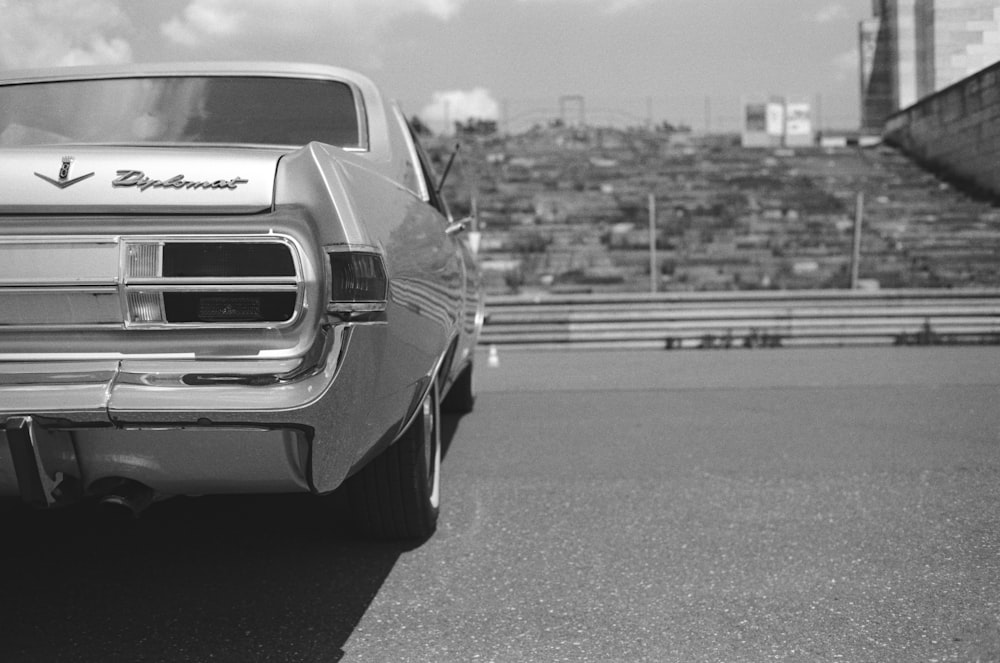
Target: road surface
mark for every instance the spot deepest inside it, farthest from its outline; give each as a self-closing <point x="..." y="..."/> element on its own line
<point x="797" y="505"/>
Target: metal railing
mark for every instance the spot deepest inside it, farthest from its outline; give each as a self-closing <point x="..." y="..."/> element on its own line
<point x="745" y="319"/>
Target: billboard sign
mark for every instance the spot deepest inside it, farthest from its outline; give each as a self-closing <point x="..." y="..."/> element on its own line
<point x="775" y="118"/>
<point x="798" y="120"/>
<point x="756" y="117"/>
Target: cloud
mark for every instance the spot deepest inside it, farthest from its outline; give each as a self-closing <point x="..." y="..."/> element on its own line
<point x="45" y="33"/>
<point x="99" y="50"/>
<point x="619" y="6"/>
<point x="606" y="6"/>
<point x="831" y="13"/>
<point x="203" y="22"/>
<point x="452" y="106"/>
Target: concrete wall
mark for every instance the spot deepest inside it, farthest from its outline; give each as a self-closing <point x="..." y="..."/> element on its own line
<point x="956" y="132"/>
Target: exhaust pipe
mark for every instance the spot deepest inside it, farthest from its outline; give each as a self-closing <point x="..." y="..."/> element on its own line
<point x="127" y="500"/>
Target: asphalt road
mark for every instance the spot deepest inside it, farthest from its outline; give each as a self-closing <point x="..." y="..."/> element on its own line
<point x="797" y="505"/>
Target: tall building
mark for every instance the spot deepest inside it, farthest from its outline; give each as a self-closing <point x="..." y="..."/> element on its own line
<point x="913" y="48"/>
<point x="878" y="76"/>
<point x="966" y="39"/>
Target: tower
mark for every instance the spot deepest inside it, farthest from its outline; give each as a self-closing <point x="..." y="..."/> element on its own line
<point x="912" y="48"/>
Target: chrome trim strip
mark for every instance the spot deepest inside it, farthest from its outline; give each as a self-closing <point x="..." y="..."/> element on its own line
<point x="89" y="289"/>
<point x="355" y="307"/>
<point x="186" y="283"/>
<point x="58" y="372"/>
<point x="348" y="248"/>
<point x="221" y="288"/>
<point x="166" y="373"/>
<point x="411" y="149"/>
<point x="359" y="104"/>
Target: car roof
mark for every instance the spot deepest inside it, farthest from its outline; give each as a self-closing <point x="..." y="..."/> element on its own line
<point x="291" y="69"/>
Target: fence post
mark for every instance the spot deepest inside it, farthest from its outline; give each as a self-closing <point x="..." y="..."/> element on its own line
<point x="654" y="273"/>
<point x="859" y="211"/>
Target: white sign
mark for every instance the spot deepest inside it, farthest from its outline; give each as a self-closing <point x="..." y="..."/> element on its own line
<point x="797" y="119"/>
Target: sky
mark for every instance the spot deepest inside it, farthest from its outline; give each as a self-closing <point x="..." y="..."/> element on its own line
<point x="521" y="62"/>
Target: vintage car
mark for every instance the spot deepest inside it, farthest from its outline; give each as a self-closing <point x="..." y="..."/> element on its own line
<point x="232" y="278"/>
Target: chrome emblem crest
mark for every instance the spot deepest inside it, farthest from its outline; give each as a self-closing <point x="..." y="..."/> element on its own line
<point x="64" y="180"/>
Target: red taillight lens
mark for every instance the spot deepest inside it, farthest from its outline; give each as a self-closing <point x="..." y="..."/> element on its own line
<point x="357" y="282"/>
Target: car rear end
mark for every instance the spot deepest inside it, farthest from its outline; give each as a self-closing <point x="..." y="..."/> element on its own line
<point x="168" y="323"/>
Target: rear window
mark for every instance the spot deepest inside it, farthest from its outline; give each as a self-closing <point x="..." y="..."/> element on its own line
<point x="247" y="110"/>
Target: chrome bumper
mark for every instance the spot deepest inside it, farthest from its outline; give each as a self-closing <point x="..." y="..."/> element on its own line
<point x="46" y="466"/>
<point x="194" y="426"/>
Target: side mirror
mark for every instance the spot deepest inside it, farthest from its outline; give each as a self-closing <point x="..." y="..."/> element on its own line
<point x="455" y="227"/>
<point x="463" y="225"/>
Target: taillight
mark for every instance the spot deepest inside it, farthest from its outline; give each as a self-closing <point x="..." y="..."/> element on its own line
<point x="226" y="259"/>
<point x="358" y="282"/>
<point x="233" y="306"/>
<point x="210" y="283"/>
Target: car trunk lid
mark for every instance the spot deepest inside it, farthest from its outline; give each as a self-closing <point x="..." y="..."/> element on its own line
<point x="85" y="179"/>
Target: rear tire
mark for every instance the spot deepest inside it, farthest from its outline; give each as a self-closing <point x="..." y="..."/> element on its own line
<point x="397" y="495"/>
<point x="462" y="396"/>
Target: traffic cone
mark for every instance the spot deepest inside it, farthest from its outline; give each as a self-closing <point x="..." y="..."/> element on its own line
<point x="494" y="359"/>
